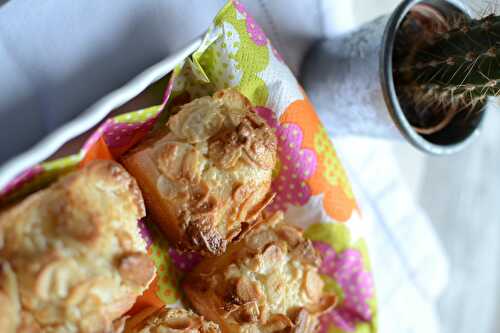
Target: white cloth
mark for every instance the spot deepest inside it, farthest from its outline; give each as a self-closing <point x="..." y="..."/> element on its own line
<point x="409" y="265"/>
<point x="58" y="57"/>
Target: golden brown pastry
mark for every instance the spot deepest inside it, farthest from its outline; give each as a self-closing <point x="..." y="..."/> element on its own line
<point x="207" y="175"/>
<point x="10" y="310"/>
<point x="267" y="282"/>
<point x="72" y="258"/>
<point x="169" y="320"/>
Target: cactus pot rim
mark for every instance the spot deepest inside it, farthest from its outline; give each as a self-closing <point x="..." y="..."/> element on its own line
<point x="388" y="85"/>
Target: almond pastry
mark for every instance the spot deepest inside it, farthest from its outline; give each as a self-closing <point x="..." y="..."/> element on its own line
<point x="71" y="256"/>
<point x="266" y="282"/>
<point x="206" y="176"/>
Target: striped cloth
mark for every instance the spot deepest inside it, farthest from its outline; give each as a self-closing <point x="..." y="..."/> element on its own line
<point x="408" y="261"/>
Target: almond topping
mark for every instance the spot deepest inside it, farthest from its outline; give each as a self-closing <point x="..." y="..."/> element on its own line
<point x="277" y="323"/>
<point x="181" y="323"/>
<point x="259" y="240"/>
<point x="241" y="192"/>
<point x="326" y="303"/>
<point x="55" y="278"/>
<point x="249" y="312"/>
<point x="306" y="253"/>
<point x="198" y="120"/>
<point x="246" y="290"/>
<point x="190" y="165"/>
<point x="275" y="287"/>
<point x="272" y="254"/>
<point x="290" y="234"/>
<point x="313" y="285"/>
<point x="305" y="322"/>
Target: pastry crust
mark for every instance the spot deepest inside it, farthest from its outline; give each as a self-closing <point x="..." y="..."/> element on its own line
<point x="169" y="320"/>
<point x="73" y="252"/>
<point x="208" y="174"/>
<point x="267" y="282"/>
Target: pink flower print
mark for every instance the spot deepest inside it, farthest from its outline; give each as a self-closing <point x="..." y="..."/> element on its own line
<point x="184" y="261"/>
<point x="268" y="116"/>
<point x="297" y="164"/>
<point x="118" y="134"/>
<point x="144" y="232"/>
<point x="254" y="30"/>
<point x="21" y="179"/>
<point x="240" y="7"/>
<point x="346" y="268"/>
<point x="94" y="137"/>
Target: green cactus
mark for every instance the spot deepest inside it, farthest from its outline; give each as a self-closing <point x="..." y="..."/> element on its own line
<point x="453" y="69"/>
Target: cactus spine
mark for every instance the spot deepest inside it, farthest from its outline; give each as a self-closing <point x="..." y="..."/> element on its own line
<point x="455" y="70"/>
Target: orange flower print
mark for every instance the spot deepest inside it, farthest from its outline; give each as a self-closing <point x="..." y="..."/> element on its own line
<point x="329" y="177"/>
<point x="297" y="164"/>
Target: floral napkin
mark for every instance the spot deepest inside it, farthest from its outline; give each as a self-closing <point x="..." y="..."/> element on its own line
<point x="311" y="185"/>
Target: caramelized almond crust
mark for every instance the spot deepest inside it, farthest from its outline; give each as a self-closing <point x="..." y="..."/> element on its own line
<point x="208" y="172"/>
<point x="266" y="282"/>
<point x="72" y="255"/>
<point x="169" y="320"/>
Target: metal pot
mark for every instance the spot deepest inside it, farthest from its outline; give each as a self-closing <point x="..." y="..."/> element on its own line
<point x="350" y="80"/>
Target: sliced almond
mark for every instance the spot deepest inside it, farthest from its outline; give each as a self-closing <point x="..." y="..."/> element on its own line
<point x="260" y="154"/>
<point x="258" y="208"/>
<point x="275" y="286"/>
<point x="246" y="290"/>
<point x="313" y="285"/>
<point x="225" y="151"/>
<point x="252" y="201"/>
<point x="261" y="222"/>
<point x="255" y="263"/>
<point x="249" y="312"/>
<point x="258" y="240"/>
<point x="275" y="218"/>
<point x="306" y="253"/>
<point x="273" y="254"/>
<point x="291" y="234"/>
<point x="233" y="100"/>
<point x="326" y="303"/>
<point x="198" y="120"/>
<point x="242" y="192"/>
<point x="277" y="323"/>
<point x="169" y="160"/>
<point x="9" y="299"/>
<point x="305" y="322"/>
<point x="190" y="165"/>
<point x="55" y="278"/>
<point x="181" y="323"/>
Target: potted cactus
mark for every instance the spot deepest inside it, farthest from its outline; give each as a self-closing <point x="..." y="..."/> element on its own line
<point x="429" y="64"/>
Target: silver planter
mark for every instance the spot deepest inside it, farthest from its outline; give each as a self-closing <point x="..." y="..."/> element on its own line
<point x="349" y="79"/>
